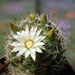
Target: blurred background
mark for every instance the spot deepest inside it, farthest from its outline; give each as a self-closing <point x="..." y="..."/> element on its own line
<point x="64" y="11"/>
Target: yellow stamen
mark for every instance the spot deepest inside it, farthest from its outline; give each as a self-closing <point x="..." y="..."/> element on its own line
<point x="29" y="44"/>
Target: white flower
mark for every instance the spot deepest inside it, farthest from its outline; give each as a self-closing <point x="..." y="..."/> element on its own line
<point x="29" y="42"/>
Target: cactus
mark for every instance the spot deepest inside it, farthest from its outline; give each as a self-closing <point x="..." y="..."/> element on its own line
<point x="35" y="46"/>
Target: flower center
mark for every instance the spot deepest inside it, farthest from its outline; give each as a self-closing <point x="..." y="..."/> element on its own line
<point x="29" y="44"/>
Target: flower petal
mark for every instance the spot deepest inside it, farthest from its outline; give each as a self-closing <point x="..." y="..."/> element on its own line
<point x="27" y="52"/>
<point x="38" y="32"/>
<point x="19" y="38"/>
<point x="32" y="30"/>
<point x="42" y="47"/>
<point x="35" y="29"/>
<point x="38" y="39"/>
<point x="32" y="51"/>
<point x="38" y="44"/>
<point x="38" y="50"/>
<point x="15" y="50"/>
<point x="21" y="52"/>
<point x="23" y="32"/>
<point x="17" y="44"/>
<point x="32" y="33"/>
<point x="14" y="43"/>
<point x="32" y="36"/>
<point x="33" y="56"/>
<point x="18" y="33"/>
<point x="26" y="34"/>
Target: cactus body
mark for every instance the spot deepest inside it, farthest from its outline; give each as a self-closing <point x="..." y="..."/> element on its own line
<point x="51" y="60"/>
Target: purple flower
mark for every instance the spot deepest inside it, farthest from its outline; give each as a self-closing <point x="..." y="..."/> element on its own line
<point x="63" y="24"/>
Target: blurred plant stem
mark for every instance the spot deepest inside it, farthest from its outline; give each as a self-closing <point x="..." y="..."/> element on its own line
<point x="38" y="6"/>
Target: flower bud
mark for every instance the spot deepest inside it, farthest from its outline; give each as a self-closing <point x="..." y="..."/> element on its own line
<point x="13" y="27"/>
<point x="44" y="19"/>
<point x="51" y="33"/>
<point x="32" y="16"/>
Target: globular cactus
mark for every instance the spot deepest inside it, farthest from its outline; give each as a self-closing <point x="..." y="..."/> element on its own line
<point x="35" y="46"/>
